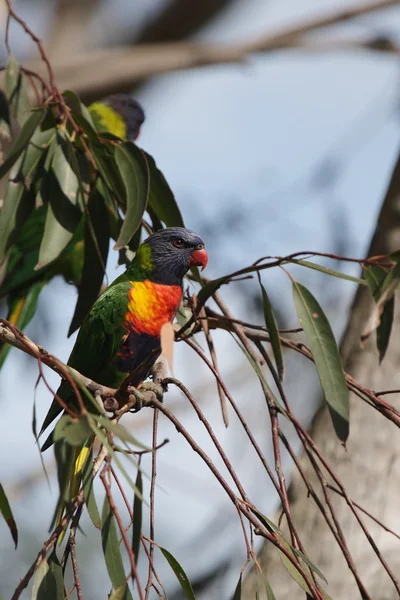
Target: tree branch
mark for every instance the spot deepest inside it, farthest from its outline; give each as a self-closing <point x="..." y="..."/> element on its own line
<point x="107" y="71"/>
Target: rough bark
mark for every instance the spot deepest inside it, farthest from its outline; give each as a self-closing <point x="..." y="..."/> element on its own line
<point x="369" y="469"/>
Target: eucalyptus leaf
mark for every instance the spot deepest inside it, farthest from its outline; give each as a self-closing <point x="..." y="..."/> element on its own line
<point x="272" y="327"/>
<point x="88" y="491"/>
<point x="17" y="91"/>
<point x="96" y="245"/>
<point x="137" y="516"/>
<point x="327" y="271"/>
<point x="238" y="590"/>
<point x="326" y="357"/>
<point x="21" y="141"/>
<point x="5" y="510"/>
<point x="133" y="169"/>
<point x="72" y="431"/>
<point x="161" y="198"/>
<point x="111" y="548"/>
<point x="180" y="574"/>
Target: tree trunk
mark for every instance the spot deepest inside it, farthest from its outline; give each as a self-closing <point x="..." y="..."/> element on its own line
<point x="369" y="469"/>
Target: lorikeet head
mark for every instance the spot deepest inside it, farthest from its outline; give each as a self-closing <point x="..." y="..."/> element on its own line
<point x="169" y="253"/>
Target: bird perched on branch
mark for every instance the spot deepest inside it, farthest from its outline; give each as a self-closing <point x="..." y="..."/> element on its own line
<point x="122" y="116"/>
<point x="121" y="334"/>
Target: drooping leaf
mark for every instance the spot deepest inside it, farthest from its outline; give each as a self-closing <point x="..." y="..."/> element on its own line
<point x="268" y="591"/>
<point x="17" y="91"/>
<point x="326" y="357"/>
<point x="38" y="579"/>
<point x="5" y="510"/>
<point x="272" y="327"/>
<point x="79" y="109"/>
<point x="21" y="141"/>
<point x="88" y="491"/>
<point x="161" y="198"/>
<point x="56" y="571"/>
<point x="111" y="548"/>
<point x="37" y="146"/>
<point x="122" y="593"/>
<point x="104" y="440"/>
<point x="137" y="516"/>
<point x="5" y="124"/>
<point x="133" y="169"/>
<point x="74" y="432"/>
<point x="377" y="278"/>
<point x="310" y="564"/>
<point x="96" y="244"/>
<point x="238" y="590"/>
<point x="64" y="455"/>
<point x="63" y="212"/>
<point x="18" y="204"/>
<point x="292" y="570"/>
<point x="387" y="290"/>
<point x="210" y="288"/>
<point x="120" y="431"/>
<point x="180" y="574"/>
<point x="327" y="271"/>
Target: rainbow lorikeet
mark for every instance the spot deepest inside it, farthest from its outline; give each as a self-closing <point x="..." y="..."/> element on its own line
<point x="121" y="334"/>
<point x="120" y="115"/>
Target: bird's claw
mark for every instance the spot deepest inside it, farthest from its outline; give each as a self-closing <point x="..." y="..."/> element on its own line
<point x="154" y="386"/>
<point x="134" y="394"/>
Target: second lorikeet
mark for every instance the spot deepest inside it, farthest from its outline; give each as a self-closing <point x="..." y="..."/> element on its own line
<point x="121" y="334"/>
<point x="120" y="115"/>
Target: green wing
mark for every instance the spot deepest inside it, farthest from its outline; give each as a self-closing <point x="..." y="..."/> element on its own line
<point x="97" y="343"/>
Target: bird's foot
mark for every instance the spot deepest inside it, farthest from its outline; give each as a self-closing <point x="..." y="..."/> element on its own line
<point x="136" y="397"/>
<point x="155" y="387"/>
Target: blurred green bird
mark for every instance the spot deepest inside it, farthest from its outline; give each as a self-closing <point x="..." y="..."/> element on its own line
<point x="119" y="115"/>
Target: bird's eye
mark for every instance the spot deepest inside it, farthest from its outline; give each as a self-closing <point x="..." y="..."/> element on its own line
<point x="179" y="243"/>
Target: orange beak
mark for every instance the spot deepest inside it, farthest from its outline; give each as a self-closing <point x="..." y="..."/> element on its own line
<point x="199" y="258"/>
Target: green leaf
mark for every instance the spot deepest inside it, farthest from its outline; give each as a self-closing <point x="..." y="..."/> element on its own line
<point x="385" y="328"/>
<point x="38" y="579"/>
<point x="238" y="590"/>
<point x="58" y="577"/>
<point x="122" y="593"/>
<point x="268" y="590"/>
<point x="88" y="491"/>
<point x="272" y="327"/>
<point x="63" y="214"/>
<point x="310" y="564"/>
<point x="161" y="198"/>
<point x="18" y="204"/>
<point x="5" y="510"/>
<point x="21" y="141"/>
<point x="96" y="245"/>
<point x="111" y="547"/>
<point x="378" y="280"/>
<point x="211" y="287"/>
<point x="78" y="108"/>
<point x="137" y="516"/>
<point x="374" y="277"/>
<point x="5" y="124"/>
<point x="104" y="440"/>
<point x="326" y="356"/>
<point x="133" y="169"/>
<point x="292" y="570"/>
<point x="17" y="91"/>
<point x="65" y="458"/>
<point x="327" y="271"/>
<point x="180" y="574"/>
<point x="120" y="431"/>
<point x="71" y="431"/>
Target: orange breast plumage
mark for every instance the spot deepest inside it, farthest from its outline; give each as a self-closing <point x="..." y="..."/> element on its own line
<point x="150" y="306"/>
